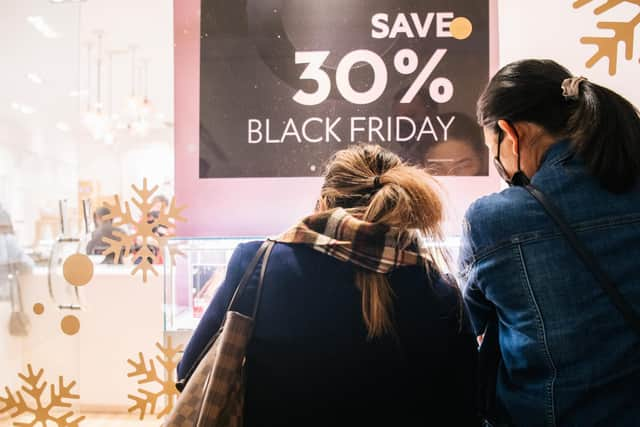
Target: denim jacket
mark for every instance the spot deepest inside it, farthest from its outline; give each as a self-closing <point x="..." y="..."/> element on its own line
<point x="568" y="358"/>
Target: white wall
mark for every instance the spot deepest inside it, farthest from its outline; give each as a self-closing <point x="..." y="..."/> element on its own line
<point x="553" y="29"/>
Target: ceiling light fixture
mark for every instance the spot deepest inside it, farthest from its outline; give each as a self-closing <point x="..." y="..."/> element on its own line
<point x="76" y="93"/>
<point x="108" y="138"/>
<point x="63" y="127"/>
<point x="146" y="106"/>
<point x="95" y="118"/>
<point x="38" y="23"/>
<point x="35" y="78"/>
<point x="133" y="102"/>
<point x="23" y="108"/>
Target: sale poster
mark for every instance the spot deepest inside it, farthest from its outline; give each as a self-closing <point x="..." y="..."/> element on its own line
<point x="286" y="83"/>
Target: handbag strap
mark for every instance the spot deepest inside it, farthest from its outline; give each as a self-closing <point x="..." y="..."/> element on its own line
<point x="591" y="262"/>
<point x="15" y="306"/>
<point x="263" y="254"/>
<point x="12" y="280"/>
<point x="487" y="367"/>
<point x="18" y="285"/>
<point x="263" y="270"/>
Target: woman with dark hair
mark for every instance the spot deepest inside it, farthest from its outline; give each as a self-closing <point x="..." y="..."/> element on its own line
<point x="356" y="326"/>
<point x="570" y="356"/>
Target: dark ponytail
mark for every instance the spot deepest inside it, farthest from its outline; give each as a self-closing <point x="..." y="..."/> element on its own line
<point x="605" y="129"/>
<point x="603" y="126"/>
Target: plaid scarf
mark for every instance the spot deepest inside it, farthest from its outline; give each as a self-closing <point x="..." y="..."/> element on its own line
<point x="340" y="234"/>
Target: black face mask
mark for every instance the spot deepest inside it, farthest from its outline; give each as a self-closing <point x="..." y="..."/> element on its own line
<point x="519" y="179"/>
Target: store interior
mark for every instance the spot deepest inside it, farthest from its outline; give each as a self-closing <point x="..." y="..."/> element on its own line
<point x="87" y="111"/>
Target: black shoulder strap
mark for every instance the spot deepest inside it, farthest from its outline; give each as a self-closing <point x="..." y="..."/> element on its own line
<point x="589" y="260"/>
<point x="262" y="254"/>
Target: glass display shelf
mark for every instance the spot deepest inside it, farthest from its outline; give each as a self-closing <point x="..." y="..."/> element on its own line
<point x="190" y="283"/>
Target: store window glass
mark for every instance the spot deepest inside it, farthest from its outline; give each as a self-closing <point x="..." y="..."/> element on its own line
<point x="142" y="140"/>
<point x="86" y="111"/>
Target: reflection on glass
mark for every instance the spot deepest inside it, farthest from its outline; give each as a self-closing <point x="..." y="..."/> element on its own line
<point x="462" y="153"/>
<point x="192" y="282"/>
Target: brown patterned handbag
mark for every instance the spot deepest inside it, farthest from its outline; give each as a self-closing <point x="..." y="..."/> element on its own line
<point x="213" y="391"/>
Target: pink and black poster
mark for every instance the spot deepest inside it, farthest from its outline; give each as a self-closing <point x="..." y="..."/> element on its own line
<point x="268" y="90"/>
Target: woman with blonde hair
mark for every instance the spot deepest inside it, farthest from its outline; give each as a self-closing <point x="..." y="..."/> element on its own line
<point x="357" y="325"/>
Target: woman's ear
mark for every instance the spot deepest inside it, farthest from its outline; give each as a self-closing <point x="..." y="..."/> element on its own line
<point x="321" y="205"/>
<point x="511" y="133"/>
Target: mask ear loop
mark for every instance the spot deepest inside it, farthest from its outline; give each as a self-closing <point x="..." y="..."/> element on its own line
<point x="519" y="178"/>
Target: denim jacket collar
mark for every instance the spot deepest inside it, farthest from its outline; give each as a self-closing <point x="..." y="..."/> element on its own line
<point x="556" y="152"/>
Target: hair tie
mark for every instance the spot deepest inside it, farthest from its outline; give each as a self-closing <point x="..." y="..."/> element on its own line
<point x="376" y="182"/>
<point x="571" y="87"/>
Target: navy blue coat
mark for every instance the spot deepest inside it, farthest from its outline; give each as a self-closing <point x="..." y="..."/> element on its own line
<point x="310" y="363"/>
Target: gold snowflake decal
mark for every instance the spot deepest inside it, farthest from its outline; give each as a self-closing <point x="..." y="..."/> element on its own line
<point x="146" y="239"/>
<point x="40" y="411"/>
<point x="165" y="385"/>
<point x="623" y="32"/>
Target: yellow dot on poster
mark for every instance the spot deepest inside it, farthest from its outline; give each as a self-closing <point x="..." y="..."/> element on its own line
<point x="461" y="28"/>
<point x="70" y="325"/>
<point x="78" y="269"/>
<point x="38" y="308"/>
